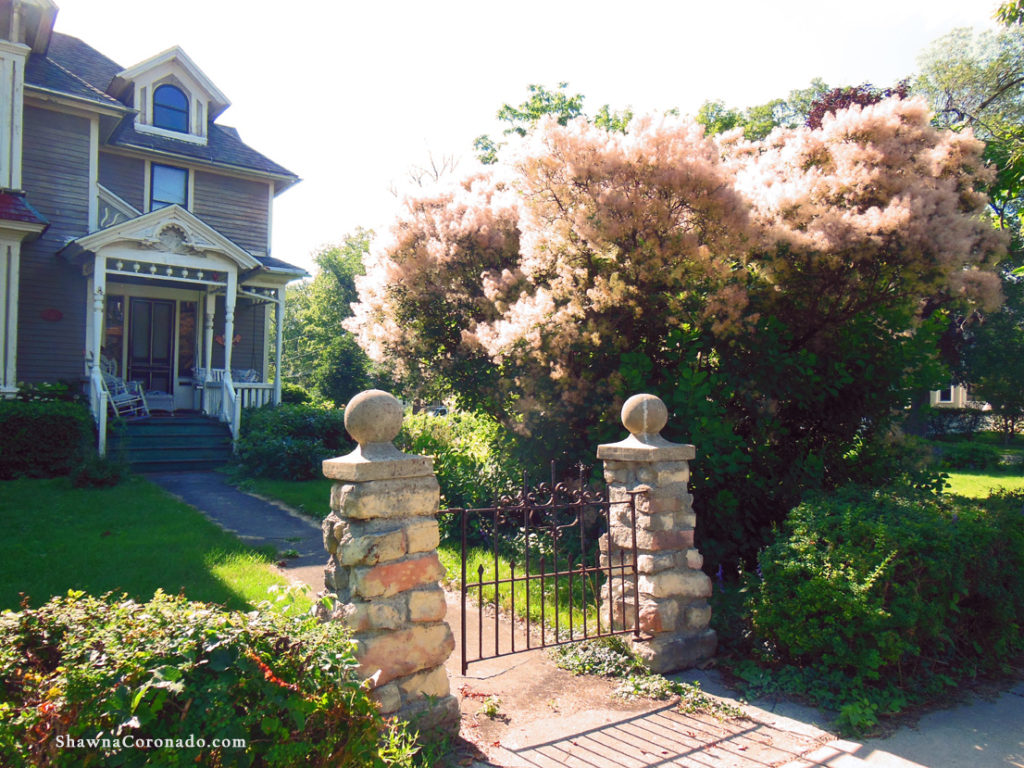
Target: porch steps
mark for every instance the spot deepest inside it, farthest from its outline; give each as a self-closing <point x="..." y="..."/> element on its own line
<point x="171" y="444"/>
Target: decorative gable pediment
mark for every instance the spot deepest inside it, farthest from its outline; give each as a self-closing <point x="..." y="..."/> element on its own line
<point x="190" y="96"/>
<point x="169" y="232"/>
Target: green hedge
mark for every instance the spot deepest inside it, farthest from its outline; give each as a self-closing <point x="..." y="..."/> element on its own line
<point x="871" y="599"/>
<point x="81" y="667"/>
<point x="977" y="456"/>
<point x="290" y="441"/>
<point x="43" y="438"/>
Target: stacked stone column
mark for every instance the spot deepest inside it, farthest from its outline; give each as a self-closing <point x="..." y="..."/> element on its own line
<point x="383" y="571"/>
<point x="673" y="590"/>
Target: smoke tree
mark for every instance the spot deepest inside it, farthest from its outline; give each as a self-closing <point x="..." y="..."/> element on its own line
<point x="782" y="296"/>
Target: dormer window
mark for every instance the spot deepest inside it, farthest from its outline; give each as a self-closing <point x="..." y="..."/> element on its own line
<point x="171" y="96"/>
<point x="170" y="109"/>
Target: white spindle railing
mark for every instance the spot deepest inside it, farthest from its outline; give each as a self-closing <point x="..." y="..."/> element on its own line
<point x="98" y="406"/>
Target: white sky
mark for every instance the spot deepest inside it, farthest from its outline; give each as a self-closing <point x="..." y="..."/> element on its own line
<point x="349" y="95"/>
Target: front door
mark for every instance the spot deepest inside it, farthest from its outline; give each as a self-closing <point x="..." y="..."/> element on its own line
<point x="151" y="343"/>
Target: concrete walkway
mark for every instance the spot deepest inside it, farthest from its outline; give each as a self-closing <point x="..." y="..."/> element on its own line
<point x="551" y="719"/>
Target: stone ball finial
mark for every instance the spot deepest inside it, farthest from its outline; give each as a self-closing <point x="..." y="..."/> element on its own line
<point x="644" y="415"/>
<point x="373" y="416"/>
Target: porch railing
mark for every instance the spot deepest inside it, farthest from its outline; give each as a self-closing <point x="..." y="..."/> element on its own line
<point x="98" y="406"/>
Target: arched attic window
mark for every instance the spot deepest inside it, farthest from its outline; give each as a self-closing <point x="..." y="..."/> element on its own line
<point x="170" y="109"/>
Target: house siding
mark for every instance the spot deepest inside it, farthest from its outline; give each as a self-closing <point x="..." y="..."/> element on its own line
<point x="237" y="208"/>
<point x="125" y="177"/>
<point x="55" y="174"/>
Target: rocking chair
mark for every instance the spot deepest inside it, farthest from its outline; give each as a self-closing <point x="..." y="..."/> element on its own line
<point x="126" y="399"/>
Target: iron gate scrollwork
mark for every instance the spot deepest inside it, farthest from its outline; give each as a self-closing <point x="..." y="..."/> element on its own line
<point x="548" y="533"/>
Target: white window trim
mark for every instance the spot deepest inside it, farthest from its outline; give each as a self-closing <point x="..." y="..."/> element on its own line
<point x="191" y="138"/>
<point x="190" y="183"/>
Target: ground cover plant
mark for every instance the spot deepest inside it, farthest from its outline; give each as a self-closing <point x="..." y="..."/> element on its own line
<point x="871" y="600"/>
<point x="123" y="672"/>
<point x="133" y="538"/>
<point x="612" y="657"/>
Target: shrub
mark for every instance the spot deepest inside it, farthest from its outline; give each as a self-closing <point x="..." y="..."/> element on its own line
<point x="43" y="438"/>
<point x="81" y="667"/>
<point x="293" y="393"/>
<point x="95" y="471"/>
<point x="473" y="458"/>
<point x="871" y="599"/>
<point x="955" y="421"/>
<point x="970" y="456"/>
<point x="289" y="441"/>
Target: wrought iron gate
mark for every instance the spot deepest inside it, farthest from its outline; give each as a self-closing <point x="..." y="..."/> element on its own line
<point x="548" y="533"/>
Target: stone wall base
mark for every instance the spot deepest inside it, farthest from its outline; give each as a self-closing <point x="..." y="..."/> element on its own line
<point x="671" y="653"/>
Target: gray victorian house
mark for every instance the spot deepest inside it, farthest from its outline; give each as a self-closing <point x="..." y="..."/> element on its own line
<point x="134" y="228"/>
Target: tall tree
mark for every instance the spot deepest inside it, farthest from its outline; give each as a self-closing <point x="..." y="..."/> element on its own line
<point x="758" y="121"/>
<point x="557" y="104"/>
<point x="319" y="353"/>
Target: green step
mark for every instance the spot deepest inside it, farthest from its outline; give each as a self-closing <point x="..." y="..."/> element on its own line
<point x="171" y="444"/>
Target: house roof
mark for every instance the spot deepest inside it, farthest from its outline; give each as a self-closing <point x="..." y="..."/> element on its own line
<point x="223" y="147"/>
<point x="56" y="71"/>
<point x="14" y="207"/>
<point x="74" y="68"/>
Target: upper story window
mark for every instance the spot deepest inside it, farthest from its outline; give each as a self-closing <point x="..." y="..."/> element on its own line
<point x="170" y="109"/>
<point x="168" y="186"/>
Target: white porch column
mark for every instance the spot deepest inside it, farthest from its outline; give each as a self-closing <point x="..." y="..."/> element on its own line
<point x="12" y="85"/>
<point x="279" y="322"/>
<point x="10" y="263"/>
<point x="229" y="319"/>
<point x="209" y="309"/>
<point x="99" y="295"/>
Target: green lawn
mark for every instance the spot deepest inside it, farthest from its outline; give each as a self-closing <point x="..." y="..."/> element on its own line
<point x="133" y="538"/>
<point x="978" y="485"/>
<point x="312" y="497"/>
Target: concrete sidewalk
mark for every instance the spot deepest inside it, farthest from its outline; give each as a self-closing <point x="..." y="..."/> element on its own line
<point x="550" y="718"/>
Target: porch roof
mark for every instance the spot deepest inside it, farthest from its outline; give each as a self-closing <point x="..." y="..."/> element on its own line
<point x="14" y="206"/>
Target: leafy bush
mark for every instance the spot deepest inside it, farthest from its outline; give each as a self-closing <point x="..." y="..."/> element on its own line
<point x="955" y="421"/>
<point x="970" y="456"/>
<point x="95" y="471"/>
<point x="290" y="441"/>
<point x="82" y="667"/>
<point x="43" y="438"/>
<point x="293" y="393"/>
<point x="473" y="455"/>
<point x="871" y="599"/>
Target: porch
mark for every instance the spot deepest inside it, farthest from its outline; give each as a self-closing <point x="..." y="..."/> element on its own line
<point x="183" y="314"/>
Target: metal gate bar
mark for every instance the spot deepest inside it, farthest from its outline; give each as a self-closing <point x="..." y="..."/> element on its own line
<point x="552" y="511"/>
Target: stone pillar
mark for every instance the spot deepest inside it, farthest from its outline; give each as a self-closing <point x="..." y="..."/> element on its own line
<point x="674" y="611"/>
<point x="383" y="571"/>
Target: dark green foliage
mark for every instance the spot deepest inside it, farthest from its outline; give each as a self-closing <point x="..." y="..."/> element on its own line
<point x="83" y="667"/>
<point x="774" y="417"/>
<point x="290" y="441"/>
<point x="294" y="393"/>
<point x="318" y="353"/>
<point x="95" y="471"/>
<point x="954" y="421"/>
<point x="43" y="438"/>
<point x="969" y="456"/>
<point x="871" y="599"/>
